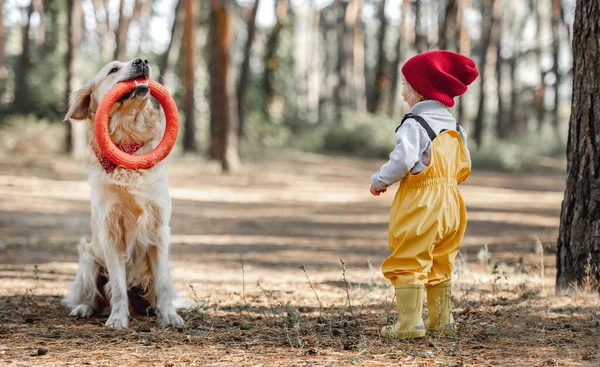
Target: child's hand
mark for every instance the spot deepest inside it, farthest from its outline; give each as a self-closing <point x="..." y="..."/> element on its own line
<point x="376" y="192"/>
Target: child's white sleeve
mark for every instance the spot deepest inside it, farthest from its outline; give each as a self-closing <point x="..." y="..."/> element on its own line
<point x="411" y="141"/>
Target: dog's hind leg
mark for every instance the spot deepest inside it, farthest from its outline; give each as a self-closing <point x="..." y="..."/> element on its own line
<point x="158" y="260"/>
<point x="83" y="292"/>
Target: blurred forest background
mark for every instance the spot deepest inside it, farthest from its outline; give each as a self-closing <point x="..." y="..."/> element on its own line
<point x="252" y="76"/>
<point x="282" y="259"/>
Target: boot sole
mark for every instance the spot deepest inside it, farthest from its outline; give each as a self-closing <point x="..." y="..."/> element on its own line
<point x="449" y="329"/>
<point x="412" y="334"/>
<point x="419" y="333"/>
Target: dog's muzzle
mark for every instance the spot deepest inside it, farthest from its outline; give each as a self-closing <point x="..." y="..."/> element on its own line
<point x="140" y="69"/>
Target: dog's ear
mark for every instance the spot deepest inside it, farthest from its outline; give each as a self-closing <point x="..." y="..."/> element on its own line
<point x="79" y="103"/>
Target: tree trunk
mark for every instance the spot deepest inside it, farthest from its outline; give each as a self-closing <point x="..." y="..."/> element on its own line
<point x="556" y="18"/>
<point x="517" y="120"/>
<point x="21" y="88"/>
<point x="348" y="43"/>
<point x="189" y="62"/>
<point x="302" y="60"/>
<point x="396" y="63"/>
<point x="541" y="88"/>
<point x="76" y="131"/>
<point x="103" y="29"/>
<point x="123" y="28"/>
<point x="463" y="45"/>
<point x="339" y="93"/>
<point x="40" y="38"/>
<point x="579" y="234"/>
<point x="3" y="70"/>
<point x="223" y="112"/>
<point x="143" y="16"/>
<point x="420" y="34"/>
<point x="271" y="61"/>
<point x="484" y="43"/>
<point x="169" y="77"/>
<point x="380" y="70"/>
<point x="463" y="40"/>
<point x="314" y="68"/>
<point x="121" y="34"/>
<point x="500" y="118"/>
<point x="358" y="51"/>
<point x="502" y="128"/>
<point x="245" y="69"/>
<point x="492" y="13"/>
<point x="327" y="26"/>
<point x="448" y="31"/>
<point x="569" y="28"/>
<point x="433" y="23"/>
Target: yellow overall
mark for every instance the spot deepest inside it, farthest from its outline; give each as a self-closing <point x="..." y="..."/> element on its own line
<point x="428" y="217"/>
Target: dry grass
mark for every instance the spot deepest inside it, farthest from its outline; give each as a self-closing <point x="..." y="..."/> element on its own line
<point x="282" y="263"/>
<point x="590" y="284"/>
<point x="514" y="328"/>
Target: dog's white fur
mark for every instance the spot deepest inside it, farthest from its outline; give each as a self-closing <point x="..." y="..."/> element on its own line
<point x="130" y="209"/>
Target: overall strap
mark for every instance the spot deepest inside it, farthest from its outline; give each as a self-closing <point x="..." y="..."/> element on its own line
<point x="421" y="122"/>
<point x="457" y="128"/>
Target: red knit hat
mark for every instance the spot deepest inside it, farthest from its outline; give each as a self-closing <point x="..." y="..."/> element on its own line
<point x="440" y="75"/>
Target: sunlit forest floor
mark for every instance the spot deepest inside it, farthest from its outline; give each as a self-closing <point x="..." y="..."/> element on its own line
<point x="282" y="264"/>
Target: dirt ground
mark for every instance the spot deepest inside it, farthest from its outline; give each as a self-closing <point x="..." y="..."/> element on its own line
<point x="282" y="263"/>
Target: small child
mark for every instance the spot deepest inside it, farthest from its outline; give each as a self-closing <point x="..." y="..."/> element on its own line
<point x="428" y="216"/>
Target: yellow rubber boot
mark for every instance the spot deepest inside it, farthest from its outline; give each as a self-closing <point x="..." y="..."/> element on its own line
<point x="409" y="301"/>
<point x="439" y="306"/>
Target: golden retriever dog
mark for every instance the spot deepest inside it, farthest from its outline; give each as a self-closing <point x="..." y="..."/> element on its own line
<point x="126" y="263"/>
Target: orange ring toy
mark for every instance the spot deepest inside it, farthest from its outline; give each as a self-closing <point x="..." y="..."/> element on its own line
<point x="116" y="155"/>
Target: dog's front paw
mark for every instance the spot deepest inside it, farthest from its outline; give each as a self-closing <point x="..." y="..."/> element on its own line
<point x="171" y="318"/>
<point x="82" y="310"/>
<point x="117" y="321"/>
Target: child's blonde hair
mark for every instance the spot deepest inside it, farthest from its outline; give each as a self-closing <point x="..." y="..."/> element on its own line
<point x="412" y="93"/>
